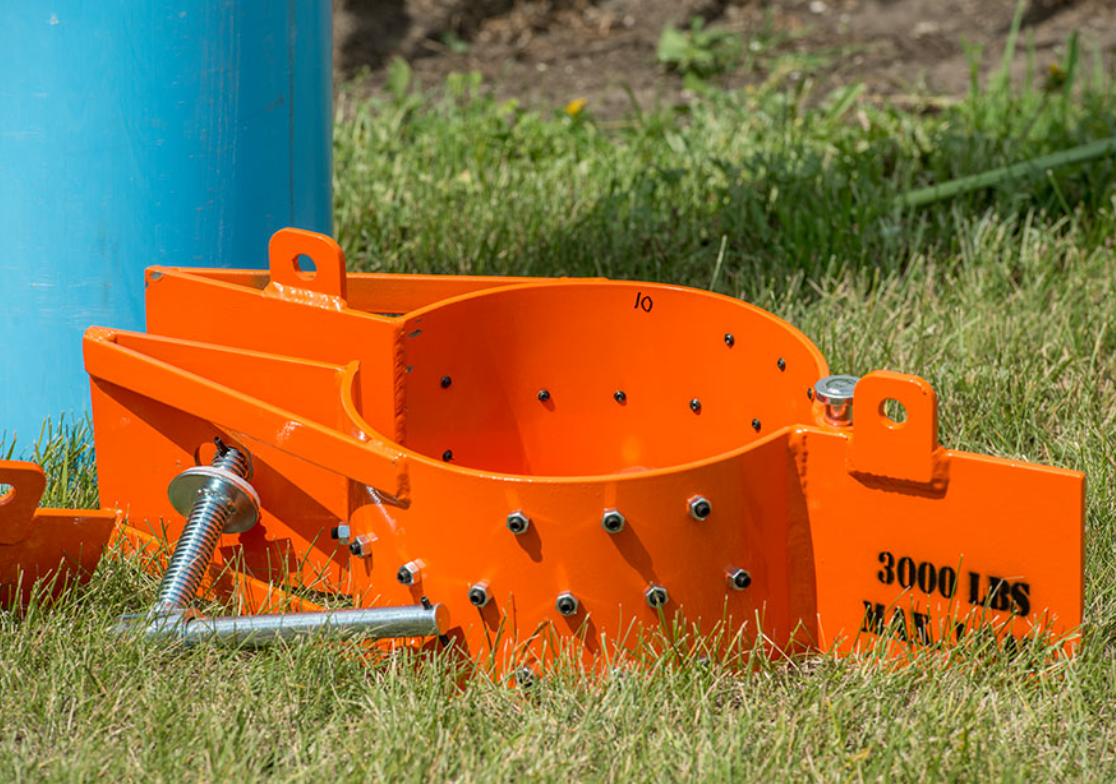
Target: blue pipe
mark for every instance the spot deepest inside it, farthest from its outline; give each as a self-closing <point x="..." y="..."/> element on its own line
<point x="140" y="132"/>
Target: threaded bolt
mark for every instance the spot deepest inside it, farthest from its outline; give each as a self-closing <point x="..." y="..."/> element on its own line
<point x="409" y="573"/>
<point x="566" y="604"/>
<point x="612" y="521"/>
<point x="478" y="594"/>
<point x="217" y="499"/>
<point x="518" y="523"/>
<point x="656" y="596"/>
<point x="738" y="579"/>
<point x="699" y="507"/>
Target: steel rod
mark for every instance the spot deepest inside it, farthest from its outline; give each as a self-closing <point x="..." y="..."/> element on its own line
<point x="263" y="630"/>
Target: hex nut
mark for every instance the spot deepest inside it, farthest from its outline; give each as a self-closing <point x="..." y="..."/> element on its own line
<point x="612" y="521"/>
<point x="478" y="594"/>
<point x="341" y="532"/>
<point x="656" y="596"/>
<point x="408" y="573"/>
<point x="518" y="523"/>
<point x="525" y="678"/>
<point x="361" y="546"/>
<point x="738" y="579"/>
<point x="700" y="507"/>
<point x="566" y="604"/>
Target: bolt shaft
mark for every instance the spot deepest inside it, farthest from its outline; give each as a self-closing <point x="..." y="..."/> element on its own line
<point x="204" y="526"/>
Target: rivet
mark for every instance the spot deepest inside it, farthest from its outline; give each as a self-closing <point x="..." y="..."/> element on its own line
<point x="756" y="425"/>
<point x="730" y="341"/>
<point x="619" y="396"/>
<point x="810" y="393"/>
<point x="695" y="405"/>
<point x="544" y="395"/>
<point x="446" y="381"/>
<point x="782" y="363"/>
<point x="447" y="455"/>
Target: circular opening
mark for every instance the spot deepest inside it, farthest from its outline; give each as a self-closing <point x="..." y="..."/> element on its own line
<point x="891" y="409"/>
<point x="579" y="380"/>
<point x="7" y="493"/>
<point x="305" y="267"/>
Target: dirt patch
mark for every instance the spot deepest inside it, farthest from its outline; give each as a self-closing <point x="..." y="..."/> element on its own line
<point x="549" y="52"/>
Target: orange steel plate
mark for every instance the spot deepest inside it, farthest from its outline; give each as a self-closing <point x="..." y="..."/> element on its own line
<point x="43" y="550"/>
<point x="423" y="410"/>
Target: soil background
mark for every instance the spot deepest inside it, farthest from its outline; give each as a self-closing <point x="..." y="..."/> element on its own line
<point x="548" y="52"/>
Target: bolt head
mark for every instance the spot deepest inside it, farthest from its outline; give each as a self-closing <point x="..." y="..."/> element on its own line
<point x="782" y="363"/>
<point x="695" y="405"/>
<point x="700" y="508"/>
<point x="446" y="381"/>
<point x="756" y="425"/>
<point x="544" y="395"/>
<point x="518" y="523"/>
<point x="566" y="604"/>
<point x="612" y="521"/>
<point x="656" y="596"/>
<point x="447" y="455"/>
<point x="342" y="533"/>
<point x="619" y="396"/>
<point x="478" y="595"/>
<point x="738" y="579"/>
<point x="408" y="573"/>
<point x="730" y="339"/>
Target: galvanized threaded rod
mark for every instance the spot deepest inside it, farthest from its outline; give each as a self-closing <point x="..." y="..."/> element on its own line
<point x="219" y="501"/>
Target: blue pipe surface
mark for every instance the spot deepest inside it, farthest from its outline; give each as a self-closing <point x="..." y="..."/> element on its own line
<point x="141" y="132"/>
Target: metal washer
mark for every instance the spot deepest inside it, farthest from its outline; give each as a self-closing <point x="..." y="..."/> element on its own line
<point x="185" y="489"/>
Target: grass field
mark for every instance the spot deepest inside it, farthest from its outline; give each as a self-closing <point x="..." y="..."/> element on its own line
<point x="1004" y="299"/>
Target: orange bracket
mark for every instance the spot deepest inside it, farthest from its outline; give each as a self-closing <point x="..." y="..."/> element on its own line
<point x="474" y="438"/>
<point x="45" y="547"/>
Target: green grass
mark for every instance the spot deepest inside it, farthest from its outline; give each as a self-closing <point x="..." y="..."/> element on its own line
<point x="1005" y="299"/>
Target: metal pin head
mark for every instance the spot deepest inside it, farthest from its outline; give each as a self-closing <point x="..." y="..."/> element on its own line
<point x="738" y="579"/>
<point x="656" y="596"/>
<point x="566" y="604"/>
<point x="518" y="523"/>
<point x="836" y="393"/>
<point x="700" y="507"/>
<point x="612" y="521"/>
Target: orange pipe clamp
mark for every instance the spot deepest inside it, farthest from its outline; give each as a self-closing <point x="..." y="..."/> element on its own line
<point x="569" y="459"/>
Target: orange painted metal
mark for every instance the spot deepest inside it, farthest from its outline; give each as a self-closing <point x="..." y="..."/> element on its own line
<point x="422" y="410"/>
<point x="43" y="550"/>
